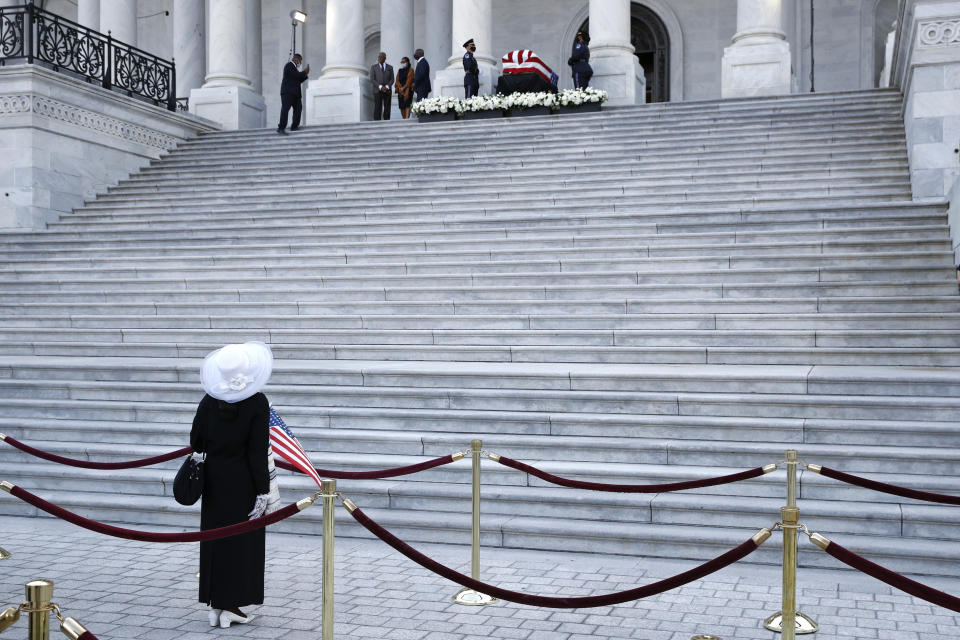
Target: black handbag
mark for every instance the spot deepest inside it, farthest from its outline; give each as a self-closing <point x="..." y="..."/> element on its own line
<point x="188" y="484"/>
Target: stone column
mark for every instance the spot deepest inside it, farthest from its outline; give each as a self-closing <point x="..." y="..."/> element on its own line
<point x="88" y="13"/>
<point x="119" y="17"/>
<point x="615" y="68"/>
<point x="189" y="39"/>
<point x="396" y="37"/>
<point x="758" y="62"/>
<point x="343" y="92"/>
<point x="227" y="96"/>
<point x="436" y="48"/>
<point x="470" y="19"/>
<point x="254" y="46"/>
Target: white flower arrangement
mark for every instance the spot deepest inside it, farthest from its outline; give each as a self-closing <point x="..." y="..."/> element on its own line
<point x="575" y="97"/>
<point x="439" y="104"/>
<point x="483" y="103"/>
<point x="515" y="101"/>
<point x="530" y="100"/>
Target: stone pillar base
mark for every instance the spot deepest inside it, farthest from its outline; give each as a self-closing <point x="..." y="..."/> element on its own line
<point x="761" y="69"/>
<point x="449" y="82"/>
<point x="235" y="107"/>
<point x="621" y="76"/>
<point x="336" y="100"/>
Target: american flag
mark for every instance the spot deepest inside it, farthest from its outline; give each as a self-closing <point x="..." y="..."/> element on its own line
<point x="286" y="445"/>
<point x="526" y="61"/>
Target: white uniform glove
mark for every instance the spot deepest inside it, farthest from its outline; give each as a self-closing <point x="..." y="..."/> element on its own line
<point x="259" y="506"/>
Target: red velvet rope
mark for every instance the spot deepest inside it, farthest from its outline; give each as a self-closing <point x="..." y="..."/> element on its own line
<point x="86" y="635"/>
<point x="903" y="583"/>
<point x="620" y="597"/>
<point x="85" y="464"/>
<point x="631" y="488"/>
<point x="372" y="475"/>
<point x="326" y="473"/>
<point x="889" y="488"/>
<point x="151" y="536"/>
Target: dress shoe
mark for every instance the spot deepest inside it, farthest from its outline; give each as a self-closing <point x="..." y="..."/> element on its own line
<point x="228" y="617"/>
<point x="282" y="132"/>
<point x="214" y="616"/>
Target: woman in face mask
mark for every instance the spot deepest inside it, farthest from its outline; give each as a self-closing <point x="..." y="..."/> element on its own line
<point x="404" y="87"/>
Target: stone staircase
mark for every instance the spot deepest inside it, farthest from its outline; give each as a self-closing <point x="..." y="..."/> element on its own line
<point x="642" y="295"/>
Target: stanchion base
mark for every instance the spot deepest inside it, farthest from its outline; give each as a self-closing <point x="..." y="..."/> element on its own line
<point x="472" y="598"/>
<point x="4" y="554"/>
<point x="804" y="624"/>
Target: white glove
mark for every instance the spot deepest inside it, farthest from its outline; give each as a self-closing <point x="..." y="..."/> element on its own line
<point x="259" y="506"/>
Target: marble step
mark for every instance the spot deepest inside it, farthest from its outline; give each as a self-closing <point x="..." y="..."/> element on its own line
<point x="615" y="143"/>
<point x="64" y="377"/>
<point x="830" y="161"/>
<point x="611" y="124"/>
<point x="681" y="353"/>
<point x="609" y="459"/>
<point x="442" y="279"/>
<point x="159" y="243"/>
<point x="586" y="187"/>
<point x="548" y="260"/>
<point x="524" y="311"/>
<point x="829" y="326"/>
<point x="726" y="151"/>
<point x="596" y="173"/>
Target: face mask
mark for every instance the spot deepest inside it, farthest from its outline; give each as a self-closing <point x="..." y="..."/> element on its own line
<point x="404" y="65"/>
<point x="472" y="49"/>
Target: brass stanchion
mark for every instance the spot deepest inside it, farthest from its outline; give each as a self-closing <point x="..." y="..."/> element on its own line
<point x="329" y="489"/>
<point x="469" y="596"/>
<point x="39" y="594"/>
<point x="788" y="621"/>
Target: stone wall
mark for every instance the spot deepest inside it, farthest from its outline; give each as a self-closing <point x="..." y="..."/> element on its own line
<point x="64" y="141"/>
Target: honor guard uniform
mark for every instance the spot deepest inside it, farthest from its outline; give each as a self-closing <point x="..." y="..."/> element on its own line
<point x="580" y="61"/>
<point x="471" y="70"/>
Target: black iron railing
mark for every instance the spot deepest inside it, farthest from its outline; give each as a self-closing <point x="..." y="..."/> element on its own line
<point x="41" y="37"/>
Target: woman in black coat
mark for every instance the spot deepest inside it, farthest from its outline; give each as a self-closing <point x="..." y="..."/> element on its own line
<point x="231" y="428"/>
<point x="580" y="61"/>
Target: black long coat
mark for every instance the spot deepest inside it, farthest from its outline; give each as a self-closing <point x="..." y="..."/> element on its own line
<point x="235" y="438"/>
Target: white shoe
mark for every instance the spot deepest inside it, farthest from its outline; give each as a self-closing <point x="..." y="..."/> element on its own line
<point x="214" y="616"/>
<point x="228" y="617"/>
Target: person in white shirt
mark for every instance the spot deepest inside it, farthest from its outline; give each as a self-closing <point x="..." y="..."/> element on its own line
<point x="381" y="75"/>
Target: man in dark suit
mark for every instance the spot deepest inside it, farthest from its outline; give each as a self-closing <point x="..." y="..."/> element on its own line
<point x="381" y="75"/>
<point x="290" y="94"/>
<point x="421" y="76"/>
<point x="471" y="70"/>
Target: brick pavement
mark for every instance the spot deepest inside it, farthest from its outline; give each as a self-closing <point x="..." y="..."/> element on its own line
<point x="124" y="590"/>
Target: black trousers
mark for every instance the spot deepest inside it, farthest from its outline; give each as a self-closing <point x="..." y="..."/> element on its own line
<point x="381" y="105"/>
<point x="471" y="89"/>
<point x="581" y="80"/>
<point x="286" y="102"/>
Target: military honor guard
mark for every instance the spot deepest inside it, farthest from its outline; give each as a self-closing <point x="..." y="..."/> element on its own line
<point x="471" y="70"/>
<point x="580" y="61"/>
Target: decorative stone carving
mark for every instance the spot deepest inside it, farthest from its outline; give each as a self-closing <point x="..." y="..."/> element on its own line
<point x="939" y="33"/>
<point x="56" y="110"/>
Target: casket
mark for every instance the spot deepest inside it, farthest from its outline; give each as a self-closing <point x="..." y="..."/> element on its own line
<point x="524" y="71"/>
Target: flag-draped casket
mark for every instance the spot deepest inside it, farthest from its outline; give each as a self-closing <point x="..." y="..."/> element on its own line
<point x="524" y="71"/>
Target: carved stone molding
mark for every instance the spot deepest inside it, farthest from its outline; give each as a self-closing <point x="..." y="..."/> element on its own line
<point x="57" y="110"/>
<point x="939" y="33"/>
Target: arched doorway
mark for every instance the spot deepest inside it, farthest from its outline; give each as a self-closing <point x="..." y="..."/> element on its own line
<point x="651" y="44"/>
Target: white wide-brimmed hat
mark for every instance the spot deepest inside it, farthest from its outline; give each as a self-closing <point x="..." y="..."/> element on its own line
<point x="236" y="371"/>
